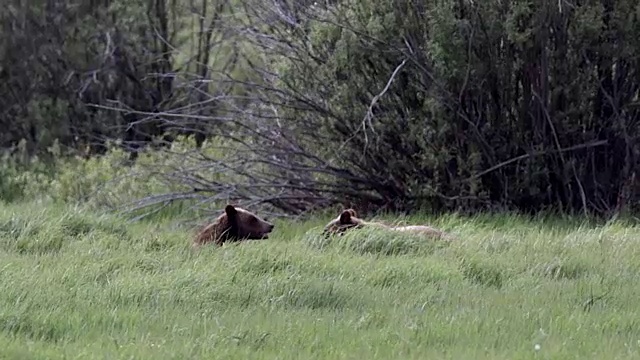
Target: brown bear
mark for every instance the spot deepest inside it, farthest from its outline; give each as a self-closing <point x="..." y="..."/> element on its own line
<point x="236" y="224"/>
<point x="348" y="219"/>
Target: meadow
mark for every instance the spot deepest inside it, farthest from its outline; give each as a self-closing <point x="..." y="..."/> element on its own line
<point x="79" y="284"/>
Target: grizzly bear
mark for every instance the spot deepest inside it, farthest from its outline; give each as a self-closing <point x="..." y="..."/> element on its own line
<point x="348" y="219"/>
<point x="235" y="224"/>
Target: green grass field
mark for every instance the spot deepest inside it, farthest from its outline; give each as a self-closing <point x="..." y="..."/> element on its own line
<point x="76" y="285"/>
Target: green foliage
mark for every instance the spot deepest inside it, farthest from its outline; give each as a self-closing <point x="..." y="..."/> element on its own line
<point x="485" y="85"/>
<point x="58" y="61"/>
<point x="107" y="182"/>
<point x="77" y="283"/>
<point x="103" y="181"/>
<point x="20" y="173"/>
<point x="438" y="106"/>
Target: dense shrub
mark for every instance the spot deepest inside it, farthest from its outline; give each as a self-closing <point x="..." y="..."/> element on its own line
<point x="106" y="182"/>
<point x="495" y="104"/>
<point x="448" y="105"/>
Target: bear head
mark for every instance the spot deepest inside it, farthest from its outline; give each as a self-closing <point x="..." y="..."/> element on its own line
<point x="348" y="219"/>
<point x="235" y="224"/>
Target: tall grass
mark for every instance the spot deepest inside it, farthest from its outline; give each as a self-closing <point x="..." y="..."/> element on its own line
<point x="80" y="284"/>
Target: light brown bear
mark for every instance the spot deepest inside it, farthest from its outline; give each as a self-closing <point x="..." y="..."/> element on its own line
<point x="236" y="224"/>
<point x="348" y="219"/>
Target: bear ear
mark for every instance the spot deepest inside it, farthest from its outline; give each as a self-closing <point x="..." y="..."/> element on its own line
<point x="345" y="217"/>
<point x="352" y="212"/>
<point x="230" y="210"/>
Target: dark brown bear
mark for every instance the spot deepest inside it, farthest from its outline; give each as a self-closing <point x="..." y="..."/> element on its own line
<point x="235" y="224"/>
<point x="348" y="220"/>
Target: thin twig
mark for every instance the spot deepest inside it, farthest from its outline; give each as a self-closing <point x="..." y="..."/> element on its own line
<point x="367" y="120"/>
<point x="537" y="153"/>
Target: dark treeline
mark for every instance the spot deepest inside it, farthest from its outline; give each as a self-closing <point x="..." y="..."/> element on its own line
<point x="399" y="105"/>
<point x="84" y="72"/>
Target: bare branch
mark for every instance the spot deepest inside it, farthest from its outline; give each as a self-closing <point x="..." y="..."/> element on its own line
<point x="538" y="153"/>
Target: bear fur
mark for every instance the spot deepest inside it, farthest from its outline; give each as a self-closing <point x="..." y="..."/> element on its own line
<point x="348" y="219"/>
<point x="235" y="224"/>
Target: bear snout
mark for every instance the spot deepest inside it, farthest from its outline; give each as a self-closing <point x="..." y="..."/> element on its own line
<point x="266" y="230"/>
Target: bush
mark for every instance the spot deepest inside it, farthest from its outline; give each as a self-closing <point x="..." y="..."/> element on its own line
<point x="107" y="182"/>
<point x="463" y="105"/>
